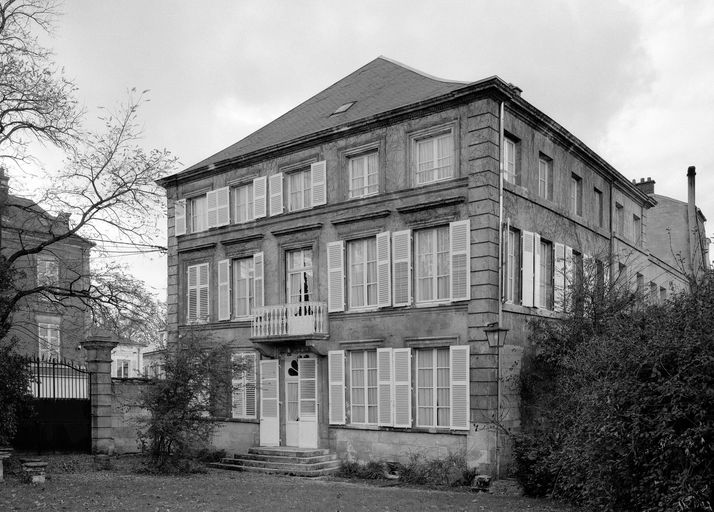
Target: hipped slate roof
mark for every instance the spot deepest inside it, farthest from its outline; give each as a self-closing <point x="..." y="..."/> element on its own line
<point x="379" y="86"/>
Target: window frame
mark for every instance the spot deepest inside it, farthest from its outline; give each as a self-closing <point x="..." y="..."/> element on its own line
<point x="192" y="215"/>
<point x="250" y="287"/>
<point x="300" y="270"/>
<point x="364" y="390"/>
<point x="619" y="219"/>
<point x="241" y="383"/>
<point x="49" y="276"/>
<point x="351" y="160"/>
<point x="305" y="174"/>
<point x="198" y="288"/>
<point x="511" y="148"/>
<point x="433" y="134"/>
<point x="434" y="407"/>
<point x="434" y="276"/>
<point x="365" y="263"/>
<point x="245" y="209"/>
<point x="48" y="347"/>
<point x="636" y="229"/>
<point x="576" y="195"/>
<point x="599" y="207"/>
<point x="546" y="287"/>
<point x="545" y="163"/>
<point x="513" y="263"/>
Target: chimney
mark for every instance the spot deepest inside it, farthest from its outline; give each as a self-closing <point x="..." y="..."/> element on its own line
<point x="692" y="217"/>
<point x="645" y="185"/>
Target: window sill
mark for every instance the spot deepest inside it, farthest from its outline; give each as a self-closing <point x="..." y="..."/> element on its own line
<point x="531" y="310"/>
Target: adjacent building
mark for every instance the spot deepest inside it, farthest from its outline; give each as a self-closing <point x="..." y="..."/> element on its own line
<point x="360" y="250"/>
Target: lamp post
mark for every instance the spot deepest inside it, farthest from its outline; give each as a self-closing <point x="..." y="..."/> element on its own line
<point x="496" y="336"/>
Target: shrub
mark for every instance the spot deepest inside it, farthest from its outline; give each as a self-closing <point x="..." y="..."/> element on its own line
<point x="15" y="400"/>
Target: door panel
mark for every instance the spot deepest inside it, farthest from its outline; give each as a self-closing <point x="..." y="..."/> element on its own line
<point x="307" y="392"/>
<point x="269" y="409"/>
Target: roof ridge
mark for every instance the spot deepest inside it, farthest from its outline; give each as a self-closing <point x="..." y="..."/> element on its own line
<point x="422" y="73"/>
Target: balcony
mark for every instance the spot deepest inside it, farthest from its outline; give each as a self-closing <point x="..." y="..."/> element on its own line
<point x="300" y="319"/>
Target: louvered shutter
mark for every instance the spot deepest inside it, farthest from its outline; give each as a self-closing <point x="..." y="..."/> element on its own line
<point x="204" y="292"/>
<point x="211" y="209"/>
<point x="569" y="266"/>
<point x="336" y="378"/>
<point x="276" y="194"/>
<point x="589" y="271"/>
<point x="192" y="294"/>
<point x="269" y="404"/>
<point x="223" y="206"/>
<point x="536" y="271"/>
<point x="401" y="267"/>
<point x="250" y="386"/>
<point x="238" y="388"/>
<point x="460" y="242"/>
<point x="319" y="183"/>
<point x="559" y="277"/>
<point x="384" y="275"/>
<point x="180" y="217"/>
<point x="260" y="192"/>
<point x="335" y="276"/>
<point x="527" y="266"/>
<point x="402" y="358"/>
<point x="460" y="363"/>
<point x="384" y="387"/>
<point x="258" y="280"/>
<point x="224" y="290"/>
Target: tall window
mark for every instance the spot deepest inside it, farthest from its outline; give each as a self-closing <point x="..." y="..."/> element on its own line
<point x="243" y="286"/>
<point x="636" y="229"/>
<point x="243" y="199"/>
<point x="510" y="160"/>
<point x="123" y="368"/>
<point x="299" y="275"/>
<point x="362" y="261"/>
<point x="620" y="219"/>
<point x="434" y="158"/>
<point x="599" y="209"/>
<point x="545" y="177"/>
<point x="512" y="275"/>
<point x="432" y="382"/>
<point x="198" y="292"/>
<point x="432" y="264"/>
<point x="364" y="179"/>
<point x="243" y="384"/>
<point x="546" y="274"/>
<point x="197" y="214"/>
<point x="299" y="190"/>
<point x="363" y="386"/>
<point x="576" y="194"/>
<point x="47" y="269"/>
<point x="49" y="339"/>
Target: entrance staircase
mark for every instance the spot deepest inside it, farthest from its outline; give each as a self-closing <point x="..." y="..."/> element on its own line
<point x="283" y="460"/>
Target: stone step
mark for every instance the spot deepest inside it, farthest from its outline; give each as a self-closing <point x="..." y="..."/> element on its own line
<point x="287" y="451"/>
<point x="293" y="460"/>
<point x="304" y="472"/>
<point x="285" y="467"/>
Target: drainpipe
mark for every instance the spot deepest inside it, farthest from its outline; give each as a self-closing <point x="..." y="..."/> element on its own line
<point x="693" y="230"/>
<point x="500" y="288"/>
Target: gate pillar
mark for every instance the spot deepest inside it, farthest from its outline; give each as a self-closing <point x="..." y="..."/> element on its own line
<point x="99" y="363"/>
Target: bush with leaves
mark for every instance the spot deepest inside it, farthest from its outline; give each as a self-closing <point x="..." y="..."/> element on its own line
<point x="15" y="399"/>
<point x="619" y="411"/>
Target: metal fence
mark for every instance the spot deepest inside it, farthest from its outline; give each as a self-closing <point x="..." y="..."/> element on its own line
<point x="58" y="379"/>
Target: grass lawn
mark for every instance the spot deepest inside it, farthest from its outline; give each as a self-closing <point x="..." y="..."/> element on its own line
<point x="74" y="485"/>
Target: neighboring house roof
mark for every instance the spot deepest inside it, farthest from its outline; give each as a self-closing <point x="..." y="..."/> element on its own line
<point x="683" y="204"/>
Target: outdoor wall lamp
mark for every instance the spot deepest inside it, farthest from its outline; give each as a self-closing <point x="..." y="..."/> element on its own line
<point x="495" y="334"/>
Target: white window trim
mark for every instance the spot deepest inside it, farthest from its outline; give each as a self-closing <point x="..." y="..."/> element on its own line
<point x="49" y="324"/>
<point x="434" y="278"/>
<point x="434" y="388"/>
<point x="433" y="133"/>
<point x="365" y="262"/>
<point x="365" y="177"/>
<point x="248" y="207"/>
<point x="365" y="388"/>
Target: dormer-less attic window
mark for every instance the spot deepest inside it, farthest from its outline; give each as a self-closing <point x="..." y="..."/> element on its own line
<point x="343" y="108"/>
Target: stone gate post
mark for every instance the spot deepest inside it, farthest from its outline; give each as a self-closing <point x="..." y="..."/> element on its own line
<point x="99" y="362"/>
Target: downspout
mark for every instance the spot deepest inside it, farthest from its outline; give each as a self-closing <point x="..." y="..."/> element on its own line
<point x="500" y="288"/>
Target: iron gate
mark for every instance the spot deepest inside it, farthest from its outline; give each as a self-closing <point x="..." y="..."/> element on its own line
<point x="60" y="419"/>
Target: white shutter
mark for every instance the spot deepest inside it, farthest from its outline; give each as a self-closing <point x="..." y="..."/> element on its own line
<point x="559" y="277"/>
<point x="192" y="293"/>
<point x="536" y="271"/>
<point x="589" y="271"/>
<point x="224" y="290"/>
<point x="211" y="209"/>
<point x="250" y="397"/>
<point x="244" y="399"/>
<point x="204" y="292"/>
<point x="223" y="206"/>
<point x="384" y="275"/>
<point x="527" y="273"/>
<point x="276" y="194"/>
<point x="260" y="192"/>
<point x="269" y="406"/>
<point x="319" y="183"/>
<point x="402" y="359"/>
<point x="460" y="241"/>
<point x="336" y="379"/>
<point x="180" y="217"/>
<point x="258" y="280"/>
<point x="569" y="277"/>
<point x="335" y="276"/>
<point x="401" y="267"/>
<point x="459" y="356"/>
<point x="384" y="387"/>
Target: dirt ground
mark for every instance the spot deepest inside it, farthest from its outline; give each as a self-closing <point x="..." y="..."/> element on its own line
<point x="73" y="485"/>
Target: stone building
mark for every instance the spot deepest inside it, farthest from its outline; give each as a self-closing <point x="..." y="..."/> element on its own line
<point x="361" y="249"/>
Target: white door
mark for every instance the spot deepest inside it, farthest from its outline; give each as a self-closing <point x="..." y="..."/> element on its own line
<point x="307" y="393"/>
<point x="269" y="410"/>
<point x="292" y="404"/>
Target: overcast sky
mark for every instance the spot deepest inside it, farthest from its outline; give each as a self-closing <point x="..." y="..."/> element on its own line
<point x="633" y="80"/>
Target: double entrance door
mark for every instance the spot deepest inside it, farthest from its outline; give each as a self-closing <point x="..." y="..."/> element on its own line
<point x="296" y="383"/>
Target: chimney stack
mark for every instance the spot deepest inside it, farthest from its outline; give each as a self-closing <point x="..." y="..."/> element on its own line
<point x="645" y="185"/>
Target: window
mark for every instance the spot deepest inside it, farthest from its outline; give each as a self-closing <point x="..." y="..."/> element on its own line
<point x="244" y="203"/>
<point x="510" y="160"/>
<point x="299" y="275"/>
<point x="198" y="293"/>
<point x="622" y="274"/>
<point x="362" y="261"/>
<point x="363" y="386"/>
<point x="364" y="179"/>
<point x="49" y="339"/>
<point x="243" y="384"/>
<point x="433" y="157"/>
<point x="47" y="270"/>
<point x="640" y="283"/>
<point x="545" y="288"/>
<point x="545" y="177"/>
<point x="432" y="383"/>
<point x="662" y="294"/>
<point x="197" y="214"/>
<point x="636" y="229"/>
<point x="243" y="287"/>
<point x="122" y="368"/>
<point x="299" y="190"/>
<point x="620" y="219"/>
<point x="599" y="209"/>
<point x="653" y="298"/>
<point x="512" y="275"/>
<point x="576" y="194"/>
<point x="432" y="264"/>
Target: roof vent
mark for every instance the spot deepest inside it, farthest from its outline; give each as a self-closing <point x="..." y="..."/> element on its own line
<point x="343" y="108"/>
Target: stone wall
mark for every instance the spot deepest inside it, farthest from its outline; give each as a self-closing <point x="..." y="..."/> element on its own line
<point x="126" y="413"/>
